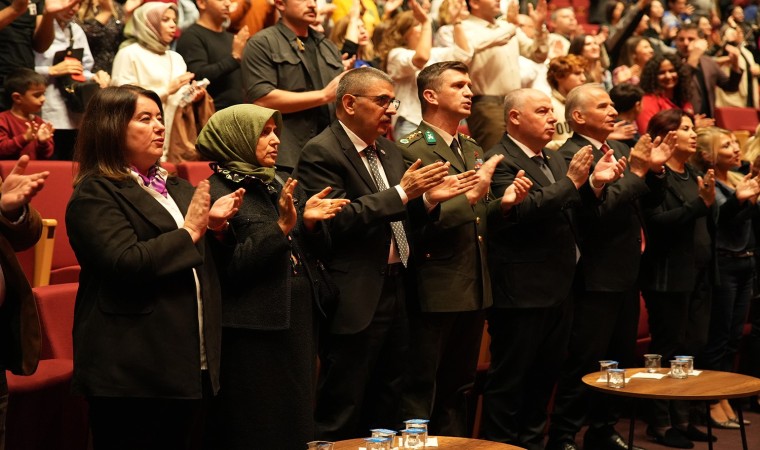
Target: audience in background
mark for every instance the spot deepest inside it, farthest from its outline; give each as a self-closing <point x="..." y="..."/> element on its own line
<point x="22" y="131"/>
<point x="212" y="53"/>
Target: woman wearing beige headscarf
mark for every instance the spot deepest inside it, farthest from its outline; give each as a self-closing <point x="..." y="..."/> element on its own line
<point x="269" y="292"/>
<point x="144" y="58"/>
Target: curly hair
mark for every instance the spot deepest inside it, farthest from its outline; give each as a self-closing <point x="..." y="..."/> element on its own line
<point x="562" y="66"/>
<point x="651" y="85"/>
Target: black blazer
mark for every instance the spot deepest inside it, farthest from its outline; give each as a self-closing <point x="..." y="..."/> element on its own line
<point x="531" y="250"/>
<point x="136" y="315"/>
<point x="668" y="262"/>
<point x="611" y="231"/>
<point x="255" y="267"/>
<point x="360" y="233"/>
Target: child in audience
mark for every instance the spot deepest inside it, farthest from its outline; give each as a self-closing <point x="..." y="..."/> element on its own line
<point x="22" y="132"/>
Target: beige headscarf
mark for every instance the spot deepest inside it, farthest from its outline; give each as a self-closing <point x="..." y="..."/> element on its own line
<point x="145" y="27"/>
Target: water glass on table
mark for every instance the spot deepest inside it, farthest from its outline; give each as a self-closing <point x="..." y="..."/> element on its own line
<point x="652" y="362"/>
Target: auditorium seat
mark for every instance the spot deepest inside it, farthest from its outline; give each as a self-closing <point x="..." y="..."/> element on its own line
<point x="733" y="119"/>
<point x="51" y="202"/>
<point x="194" y="171"/>
<point x="42" y="412"/>
<point x="643" y="338"/>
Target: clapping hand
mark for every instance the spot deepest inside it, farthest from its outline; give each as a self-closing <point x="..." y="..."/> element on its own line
<point x="45" y="132"/>
<point x="196" y="219"/>
<point x="609" y="170"/>
<point x="318" y="208"/>
<point x="417" y="180"/>
<point x="662" y="150"/>
<point x="707" y="187"/>
<point x="224" y="208"/>
<point x="641" y="155"/>
<point x="484" y="175"/>
<point x="747" y="188"/>
<point x="516" y="192"/>
<point x="287" y="208"/>
<point x="451" y="186"/>
<point x="18" y="189"/>
<point x="578" y="171"/>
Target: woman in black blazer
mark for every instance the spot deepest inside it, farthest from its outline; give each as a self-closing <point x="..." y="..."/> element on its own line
<point x="677" y="269"/>
<point x="147" y="322"/>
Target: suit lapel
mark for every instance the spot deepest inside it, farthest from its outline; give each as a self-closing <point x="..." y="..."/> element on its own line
<point x="390" y="158"/>
<point x="352" y="155"/>
<point x="527" y="164"/>
<point x="470" y="153"/>
<point x="148" y="207"/>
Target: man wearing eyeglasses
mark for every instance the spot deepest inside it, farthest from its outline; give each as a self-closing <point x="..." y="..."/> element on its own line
<point x="363" y="347"/>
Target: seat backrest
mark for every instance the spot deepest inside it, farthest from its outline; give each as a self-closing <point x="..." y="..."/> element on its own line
<point x="732" y="118"/>
<point x="194" y="171"/>
<point x="55" y="304"/>
<point x="51" y="202"/>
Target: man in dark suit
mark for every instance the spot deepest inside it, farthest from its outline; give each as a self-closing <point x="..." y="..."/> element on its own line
<point x="20" y="228"/>
<point x="532" y="252"/>
<point x="453" y="287"/>
<point x="705" y="72"/>
<point x="605" y="316"/>
<point x="362" y="351"/>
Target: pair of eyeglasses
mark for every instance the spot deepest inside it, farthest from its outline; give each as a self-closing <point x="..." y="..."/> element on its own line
<point x="382" y="101"/>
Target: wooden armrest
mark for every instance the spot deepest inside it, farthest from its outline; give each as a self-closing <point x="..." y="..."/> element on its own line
<point x="43" y="253"/>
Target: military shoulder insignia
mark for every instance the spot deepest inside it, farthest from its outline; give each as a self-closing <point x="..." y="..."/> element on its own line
<point x="409" y="138"/>
<point x="429" y="137"/>
<point x="469" y="138"/>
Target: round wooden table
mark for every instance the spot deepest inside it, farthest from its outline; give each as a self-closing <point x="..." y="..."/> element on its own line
<point x="444" y="443"/>
<point x="708" y="385"/>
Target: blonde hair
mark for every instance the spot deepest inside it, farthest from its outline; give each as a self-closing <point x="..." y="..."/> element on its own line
<point x="708" y="143"/>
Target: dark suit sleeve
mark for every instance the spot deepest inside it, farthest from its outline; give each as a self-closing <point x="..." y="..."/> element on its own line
<point x="103" y="237"/>
<point x="24" y="234"/>
<point x="319" y="167"/>
<point x="541" y="202"/>
<point x="665" y="219"/>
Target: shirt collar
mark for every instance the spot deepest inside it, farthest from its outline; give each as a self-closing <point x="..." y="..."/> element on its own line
<point x="356" y="140"/>
<point x="528" y="152"/>
<point x="594" y="142"/>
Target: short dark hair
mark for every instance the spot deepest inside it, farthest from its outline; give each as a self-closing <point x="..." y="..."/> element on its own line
<point x="665" y="121"/>
<point x="625" y="96"/>
<point x="430" y="77"/>
<point x="101" y="148"/>
<point x="20" y="80"/>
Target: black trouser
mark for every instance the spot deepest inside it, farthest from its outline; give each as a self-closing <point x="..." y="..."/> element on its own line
<point x="361" y="374"/>
<point x="443" y="358"/>
<point x="527" y="347"/>
<point x="605" y="325"/>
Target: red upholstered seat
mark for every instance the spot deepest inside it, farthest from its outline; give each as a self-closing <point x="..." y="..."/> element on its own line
<point x="194" y="172"/>
<point x="51" y="202"/>
<point x="42" y="412"/>
<point x="734" y="119"/>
